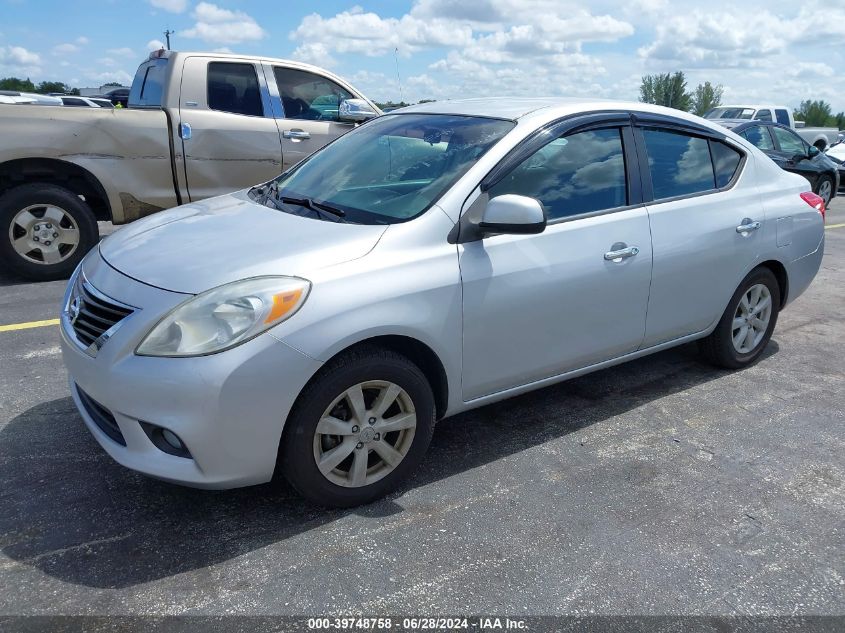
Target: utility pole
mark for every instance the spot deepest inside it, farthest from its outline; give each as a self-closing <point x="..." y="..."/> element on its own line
<point x="398" y="78"/>
<point x="167" y="35"/>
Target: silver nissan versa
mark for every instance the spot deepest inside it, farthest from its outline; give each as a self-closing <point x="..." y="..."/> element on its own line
<point x="431" y="261"/>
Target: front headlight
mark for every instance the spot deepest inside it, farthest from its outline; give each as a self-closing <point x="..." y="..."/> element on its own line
<point x="226" y="316"/>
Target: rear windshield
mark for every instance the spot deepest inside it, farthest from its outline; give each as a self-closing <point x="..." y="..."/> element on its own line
<point x="148" y="84"/>
<point x="730" y="113"/>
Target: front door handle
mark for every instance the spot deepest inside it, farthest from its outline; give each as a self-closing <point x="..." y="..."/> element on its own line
<point x="620" y="252"/>
<point x="747" y="226"/>
<point x="296" y="135"/>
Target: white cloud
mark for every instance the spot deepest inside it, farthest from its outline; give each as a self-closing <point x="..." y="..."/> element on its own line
<point x="82" y="40"/>
<point x="222" y="26"/>
<point x="122" y="52"/>
<point x="66" y="49"/>
<point x="18" y="59"/>
<point x="173" y="6"/>
<point x="154" y="45"/>
<point x="120" y="76"/>
<point x="314" y="53"/>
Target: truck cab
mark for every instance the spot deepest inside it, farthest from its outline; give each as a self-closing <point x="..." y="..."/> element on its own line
<point x="776" y="113"/>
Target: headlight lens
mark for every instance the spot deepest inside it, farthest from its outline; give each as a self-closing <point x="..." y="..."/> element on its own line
<point x="224" y="317"/>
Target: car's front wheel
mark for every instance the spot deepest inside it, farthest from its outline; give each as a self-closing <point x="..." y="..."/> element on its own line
<point x="747" y="323"/>
<point x="824" y="189"/>
<point x="358" y="429"/>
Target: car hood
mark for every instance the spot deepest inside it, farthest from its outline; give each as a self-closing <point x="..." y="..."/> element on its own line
<point x="205" y="244"/>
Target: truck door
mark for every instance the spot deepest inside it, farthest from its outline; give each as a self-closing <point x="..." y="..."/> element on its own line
<point x="230" y="139"/>
<point x="307" y="111"/>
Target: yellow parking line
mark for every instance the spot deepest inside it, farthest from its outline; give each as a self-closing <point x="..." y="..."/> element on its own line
<point x="26" y="326"/>
<point x="833" y="226"/>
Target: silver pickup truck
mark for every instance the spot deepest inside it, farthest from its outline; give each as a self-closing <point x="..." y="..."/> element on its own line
<point x="197" y="125"/>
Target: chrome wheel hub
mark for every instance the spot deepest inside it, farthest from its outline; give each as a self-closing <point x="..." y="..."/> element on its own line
<point x="751" y="319"/>
<point x="44" y="234"/>
<point x="365" y="433"/>
<point x="825" y="191"/>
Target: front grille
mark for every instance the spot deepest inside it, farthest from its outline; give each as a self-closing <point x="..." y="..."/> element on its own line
<point x="102" y="417"/>
<point x="96" y="314"/>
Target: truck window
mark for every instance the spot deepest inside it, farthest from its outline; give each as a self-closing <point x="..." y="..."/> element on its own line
<point x="764" y="115"/>
<point x="233" y="87"/>
<point x="782" y="117"/>
<point x="148" y="84"/>
<point x="308" y="96"/>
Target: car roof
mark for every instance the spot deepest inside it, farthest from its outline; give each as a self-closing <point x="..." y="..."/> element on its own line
<point x="515" y="108"/>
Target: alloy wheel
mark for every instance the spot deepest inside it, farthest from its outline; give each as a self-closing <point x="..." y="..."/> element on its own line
<point x="44" y="234"/>
<point x="826" y="191"/>
<point x="751" y="319"/>
<point x="365" y="433"/>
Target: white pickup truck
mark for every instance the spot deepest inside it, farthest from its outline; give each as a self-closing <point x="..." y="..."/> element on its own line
<point x="198" y="125"/>
<point x="821" y="137"/>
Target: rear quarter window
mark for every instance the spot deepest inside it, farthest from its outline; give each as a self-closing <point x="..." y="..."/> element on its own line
<point x="725" y="162"/>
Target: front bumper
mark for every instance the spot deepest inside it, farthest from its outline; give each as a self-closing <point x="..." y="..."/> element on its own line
<point x="227" y="408"/>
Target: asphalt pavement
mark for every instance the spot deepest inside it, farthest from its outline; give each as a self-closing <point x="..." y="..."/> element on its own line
<point x="662" y="486"/>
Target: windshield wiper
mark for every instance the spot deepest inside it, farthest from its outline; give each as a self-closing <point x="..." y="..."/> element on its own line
<point x="308" y="203"/>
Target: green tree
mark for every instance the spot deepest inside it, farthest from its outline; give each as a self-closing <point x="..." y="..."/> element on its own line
<point x="839" y="120"/>
<point x="813" y="113"/>
<point x="112" y="84"/>
<point x="666" y="89"/>
<point x="706" y="97"/>
<point x="13" y="83"/>
<point x="52" y="86"/>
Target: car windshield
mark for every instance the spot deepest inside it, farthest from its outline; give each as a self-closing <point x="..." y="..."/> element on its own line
<point x="730" y="113"/>
<point x="389" y="170"/>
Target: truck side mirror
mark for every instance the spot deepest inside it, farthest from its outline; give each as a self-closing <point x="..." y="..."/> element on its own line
<point x="355" y="111"/>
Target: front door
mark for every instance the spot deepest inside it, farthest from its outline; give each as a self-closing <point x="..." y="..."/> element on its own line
<point x="309" y="118"/>
<point x="536" y="306"/>
<point x="229" y="137"/>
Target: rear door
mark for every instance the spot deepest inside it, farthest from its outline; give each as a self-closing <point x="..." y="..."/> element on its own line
<point x="306" y="110"/>
<point x="229" y="137"/>
<point x="702" y="197"/>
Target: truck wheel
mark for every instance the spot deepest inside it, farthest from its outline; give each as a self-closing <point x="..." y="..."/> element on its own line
<point x="824" y="189"/>
<point x="45" y="231"/>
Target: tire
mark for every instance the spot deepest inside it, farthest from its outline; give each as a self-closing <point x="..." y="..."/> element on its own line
<point x="720" y="347"/>
<point x="825" y="184"/>
<point x="55" y="252"/>
<point x="306" y="439"/>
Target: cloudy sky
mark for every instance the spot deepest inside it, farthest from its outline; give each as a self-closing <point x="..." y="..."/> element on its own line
<point x="778" y="50"/>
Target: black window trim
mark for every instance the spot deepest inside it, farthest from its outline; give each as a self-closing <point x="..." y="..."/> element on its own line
<point x="259" y="78"/>
<point x="692" y="129"/>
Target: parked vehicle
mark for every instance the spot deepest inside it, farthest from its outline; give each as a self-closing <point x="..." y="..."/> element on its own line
<point x="14" y="97"/>
<point x="837" y="154"/>
<point x="434" y="260"/>
<point x="791" y="153"/>
<point x="118" y="96"/>
<point x="198" y="125"/>
<point x="85" y="102"/>
<point x="821" y="137"/>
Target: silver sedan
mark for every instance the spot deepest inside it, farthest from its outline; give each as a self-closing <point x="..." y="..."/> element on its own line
<point x="433" y="260"/>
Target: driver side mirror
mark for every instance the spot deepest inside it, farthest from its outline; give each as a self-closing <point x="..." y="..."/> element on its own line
<point x="513" y="214"/>
<point x="813" y="151"/>
<point x="355" y="111"/>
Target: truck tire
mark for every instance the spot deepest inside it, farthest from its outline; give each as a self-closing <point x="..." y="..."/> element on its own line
<point x="45" y="231"/>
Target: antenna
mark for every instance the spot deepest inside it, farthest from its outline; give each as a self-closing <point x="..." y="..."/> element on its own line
<point x="398" y="78"/>
<point x="167" y="35"/>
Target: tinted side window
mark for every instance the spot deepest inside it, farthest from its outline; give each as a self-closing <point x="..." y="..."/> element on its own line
<point x="782" y="116"/>
<point x="148" y="84"/>
<point x="680" y="164"/>
<point x="790" y="143"/>
<point x="234" y="88"/>
<point x="725" y="161"/>
<point x="574" y="174"/>
<point x="759" y="136"/>
<point x="764" y="115"/>
<point x="308" y="96"/>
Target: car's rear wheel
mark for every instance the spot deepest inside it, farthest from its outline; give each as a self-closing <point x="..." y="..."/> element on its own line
<point x="747" y="323"/>
<point x="824" y="189"/>
<point x="358" y="429"/>
<point x="45" y="231"/>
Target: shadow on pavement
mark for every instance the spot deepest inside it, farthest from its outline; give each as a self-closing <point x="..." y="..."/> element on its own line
<point x="72" y="513"/>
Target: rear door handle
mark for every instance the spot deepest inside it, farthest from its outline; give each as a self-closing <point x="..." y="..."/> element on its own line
<point x="296" y="135"/>
<point x="747" y="226"/>
<point x="619" y="254"/>
<point x="185" y="131"/>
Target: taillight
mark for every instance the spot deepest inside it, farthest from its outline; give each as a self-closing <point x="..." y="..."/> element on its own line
<point x="817" y="202"/>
